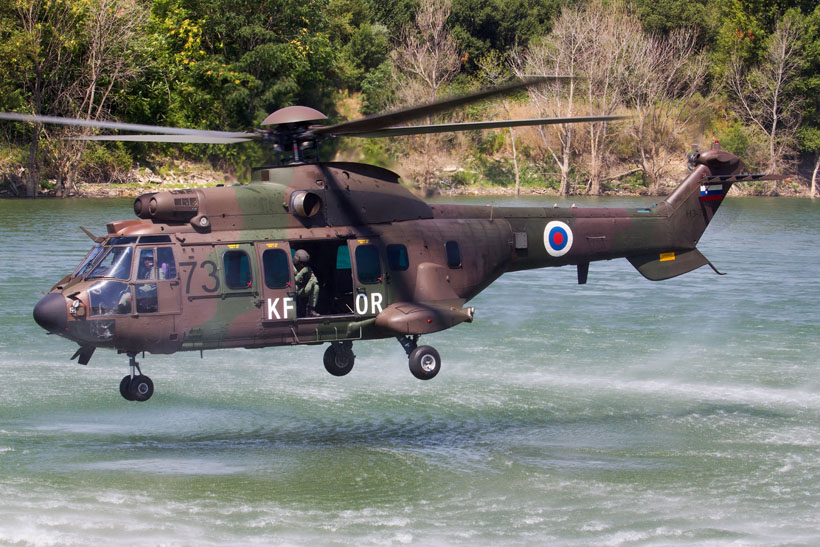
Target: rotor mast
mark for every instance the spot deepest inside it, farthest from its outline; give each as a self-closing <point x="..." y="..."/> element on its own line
<point x="293" y="140"/>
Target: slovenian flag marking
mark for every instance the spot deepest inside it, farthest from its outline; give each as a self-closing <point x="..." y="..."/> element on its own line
<point x="711" y="192"/>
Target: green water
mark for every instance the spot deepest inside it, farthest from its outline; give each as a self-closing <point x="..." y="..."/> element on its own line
<point x="622" y="412"/>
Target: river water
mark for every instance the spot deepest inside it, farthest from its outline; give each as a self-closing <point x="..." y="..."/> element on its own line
<point x="621" y="412"/>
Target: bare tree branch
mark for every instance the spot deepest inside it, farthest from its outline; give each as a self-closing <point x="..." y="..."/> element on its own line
<point x="764" y="96"/>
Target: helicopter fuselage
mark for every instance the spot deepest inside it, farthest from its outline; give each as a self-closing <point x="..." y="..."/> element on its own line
<point x="214" y="268"/>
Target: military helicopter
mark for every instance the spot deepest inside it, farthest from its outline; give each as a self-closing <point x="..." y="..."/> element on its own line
<point x="210" y="268"/>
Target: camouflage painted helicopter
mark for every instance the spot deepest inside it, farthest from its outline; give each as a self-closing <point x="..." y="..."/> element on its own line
<point x="214" y="268"/>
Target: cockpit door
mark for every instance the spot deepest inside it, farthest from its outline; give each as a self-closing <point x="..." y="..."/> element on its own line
<point x="278" y="292"/>
<point x="156" y="281"/>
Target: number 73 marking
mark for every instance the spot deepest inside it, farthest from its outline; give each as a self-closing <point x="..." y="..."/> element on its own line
<point x="211" y="268"/>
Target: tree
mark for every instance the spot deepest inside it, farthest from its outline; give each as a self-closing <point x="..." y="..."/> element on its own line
<point x="428" y="58"/>
<point x="47" y="38"/>
<point x="74" y="59"/>
<point x="663" y="16"/>
<point x="558" y="54"/>
<point x="809" y="89"/>
<point x="493" y="71"/>
<point x="663" y="76"/>
<point x="604" y="54"/>
<point x="484" y="27"/>
<point x="111" y="27"/>
<point x="766" y="97"/>
<point x="428" y="52"/>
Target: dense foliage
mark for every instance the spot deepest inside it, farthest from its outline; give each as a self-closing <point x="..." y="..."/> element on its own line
<point x="226" y="64"/>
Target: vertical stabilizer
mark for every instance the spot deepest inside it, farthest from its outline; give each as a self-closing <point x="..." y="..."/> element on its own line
<point x="691" y="207"/>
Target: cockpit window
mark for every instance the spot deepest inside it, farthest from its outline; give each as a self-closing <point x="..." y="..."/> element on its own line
<point x="166" y="266"/>
<point x="122" y="240"/>
<point x="145" y="265"/>
<point x="90" y="259"/>
<point x="110" y="298"/>
<point x="155" y="239"/>
<point x="116" y="264"/>
<point x="161" y="268"/>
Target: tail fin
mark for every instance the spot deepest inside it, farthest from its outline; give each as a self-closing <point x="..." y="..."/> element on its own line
<point x="690" y="208"/>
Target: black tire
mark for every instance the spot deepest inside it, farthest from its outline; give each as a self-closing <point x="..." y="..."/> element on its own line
<point x="425" y="362"/>
<point x="125" y="384"/>
<point x="338" y="363"/>
<point x="141" y="388"/>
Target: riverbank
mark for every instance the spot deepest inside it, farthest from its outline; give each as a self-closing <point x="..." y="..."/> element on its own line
<point x="144" y="181"/>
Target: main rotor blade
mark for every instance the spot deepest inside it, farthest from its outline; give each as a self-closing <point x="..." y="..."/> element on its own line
<point x="470" y="126"/>
<point x="200" y="139"/>
<point x="380" y="121"/>
<point x="17" y="117"/>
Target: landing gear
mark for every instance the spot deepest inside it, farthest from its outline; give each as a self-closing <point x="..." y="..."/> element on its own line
<point x="136" y="386"/>
<point x="125" y="384"/>
<point x="339" y="358"/>
<point x="424" y="361"/>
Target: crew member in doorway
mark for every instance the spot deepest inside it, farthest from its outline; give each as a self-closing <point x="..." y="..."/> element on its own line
<point x="307" y="287"/>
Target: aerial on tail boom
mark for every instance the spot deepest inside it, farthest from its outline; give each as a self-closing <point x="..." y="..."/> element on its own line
<point x="317" y="252"/>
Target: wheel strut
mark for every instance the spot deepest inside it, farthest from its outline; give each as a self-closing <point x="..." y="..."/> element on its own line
<point x="133" y="365"/>
<point x="409" y="343"/>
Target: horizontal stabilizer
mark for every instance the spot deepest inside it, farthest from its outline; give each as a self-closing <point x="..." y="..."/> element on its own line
<point x="659" y="266"/>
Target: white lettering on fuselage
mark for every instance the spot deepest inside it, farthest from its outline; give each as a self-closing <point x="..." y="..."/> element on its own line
<point x="373" y="305"/>
<point x="274" y="307"/>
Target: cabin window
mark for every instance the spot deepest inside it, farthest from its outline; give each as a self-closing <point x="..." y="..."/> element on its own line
<point x="453" y="254"/>
<point x="277" y="268"/>
<point x="368" y="268"/>
<point x="237" y="270"/>
<point x="397" y="258"/>
<point x="342" y="257"/>
<point x="115" y="264"/>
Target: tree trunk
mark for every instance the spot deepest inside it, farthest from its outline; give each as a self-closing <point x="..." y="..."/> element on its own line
<point x="33" y="180"/>
<point x="594" y="175"/>
<point x="813" y="192"/>
<point x="515" y="164"/>
<point x="564" y="187"/>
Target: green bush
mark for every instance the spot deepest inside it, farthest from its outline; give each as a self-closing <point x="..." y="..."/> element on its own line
<point x="463" y="178"/>
<point x="491" y="143"/>
<point x="105" y="163"/>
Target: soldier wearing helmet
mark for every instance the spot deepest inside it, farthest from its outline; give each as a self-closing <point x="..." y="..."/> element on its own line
<point x="307" y="286"/>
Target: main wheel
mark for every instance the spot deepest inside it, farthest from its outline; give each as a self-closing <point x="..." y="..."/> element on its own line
<point x="338" y="360"/>
<point x="125" y="384"/>
<point x="141" y="388"/>
<point x="424" y="362"/>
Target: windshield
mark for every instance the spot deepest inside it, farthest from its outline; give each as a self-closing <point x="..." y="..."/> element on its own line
<point x="116" y="264"/>
<point x="90" y="259"/>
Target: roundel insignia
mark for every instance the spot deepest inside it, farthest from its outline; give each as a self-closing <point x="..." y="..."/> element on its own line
<point x="557" y="238"/>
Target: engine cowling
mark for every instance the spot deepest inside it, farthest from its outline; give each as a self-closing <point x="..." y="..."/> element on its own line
<point x="174" y="206"/>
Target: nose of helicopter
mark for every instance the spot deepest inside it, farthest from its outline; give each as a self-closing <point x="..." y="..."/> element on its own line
<point x="51" y="314"/>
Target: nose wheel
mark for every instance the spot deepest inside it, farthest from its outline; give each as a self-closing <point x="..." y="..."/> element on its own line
<point x="136" y="386"/>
